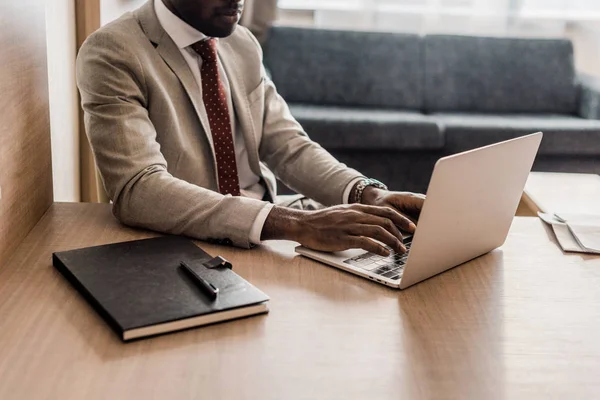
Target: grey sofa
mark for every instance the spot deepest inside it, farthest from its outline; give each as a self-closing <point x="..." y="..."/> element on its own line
<point x="390" y="105"/>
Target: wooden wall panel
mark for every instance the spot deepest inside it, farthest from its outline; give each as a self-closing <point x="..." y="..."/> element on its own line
<point x="25" y="156"/>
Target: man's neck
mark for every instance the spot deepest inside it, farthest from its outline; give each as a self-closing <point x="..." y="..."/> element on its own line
<point x="173" y="9"/>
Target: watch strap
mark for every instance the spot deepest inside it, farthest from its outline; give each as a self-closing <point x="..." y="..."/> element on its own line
<point x="365" y="183"/>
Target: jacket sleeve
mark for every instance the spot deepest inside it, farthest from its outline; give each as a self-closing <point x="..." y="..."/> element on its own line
<point x="134" y="172"/>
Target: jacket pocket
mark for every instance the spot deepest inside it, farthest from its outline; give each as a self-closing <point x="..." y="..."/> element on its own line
<point x="257" y="93"/>
<point x="256" y="105"/>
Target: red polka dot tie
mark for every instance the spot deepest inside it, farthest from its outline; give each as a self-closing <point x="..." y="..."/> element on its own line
<point x="215" y="102"/>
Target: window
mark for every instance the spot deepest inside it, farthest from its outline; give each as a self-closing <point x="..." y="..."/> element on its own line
<point x="447" y="16"/>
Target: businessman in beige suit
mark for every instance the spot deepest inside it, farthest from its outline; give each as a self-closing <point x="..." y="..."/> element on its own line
<point x="189" y="133"/>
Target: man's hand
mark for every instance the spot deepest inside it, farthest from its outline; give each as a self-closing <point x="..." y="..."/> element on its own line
<point x="408" y="204"/>
<point x="340" y="228"/>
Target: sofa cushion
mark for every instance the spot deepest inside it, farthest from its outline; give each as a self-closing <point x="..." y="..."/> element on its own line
<point x="351" y="128"/>
<point x="346" y="68"/>
<point x="563" y="135"/>
<point x="499" y="75"/>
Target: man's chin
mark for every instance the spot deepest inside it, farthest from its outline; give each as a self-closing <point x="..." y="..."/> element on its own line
<point x="223" y="27"/>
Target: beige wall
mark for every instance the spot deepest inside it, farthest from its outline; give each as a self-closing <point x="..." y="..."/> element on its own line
<point x="64" y="118"/>
<point x="586" y="40"/>
<point x="113" y="9"/>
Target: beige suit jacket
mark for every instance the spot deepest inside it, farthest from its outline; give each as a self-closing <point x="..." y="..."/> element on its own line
<point x="149" y="133"/>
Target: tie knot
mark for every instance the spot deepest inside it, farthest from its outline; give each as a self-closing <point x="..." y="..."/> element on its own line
<point x="207" y="49"/>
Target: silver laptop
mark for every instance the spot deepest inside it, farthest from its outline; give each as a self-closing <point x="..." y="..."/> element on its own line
<point x="471" y="201"/>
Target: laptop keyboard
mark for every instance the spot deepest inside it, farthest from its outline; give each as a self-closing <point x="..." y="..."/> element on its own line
<point x="390" y="267"/>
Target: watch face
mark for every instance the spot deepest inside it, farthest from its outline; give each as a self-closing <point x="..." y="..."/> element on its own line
<point x="362" y="184"/>
<point x="376" y="183"/>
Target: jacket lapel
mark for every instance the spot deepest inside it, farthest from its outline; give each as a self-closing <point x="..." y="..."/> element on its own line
<point x="172" y="56"/>
<point x="169" y="51"/>
<point x="229" y="59"/>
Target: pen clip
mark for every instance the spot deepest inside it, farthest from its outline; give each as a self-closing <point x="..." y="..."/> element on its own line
<point x="218" y="262"/>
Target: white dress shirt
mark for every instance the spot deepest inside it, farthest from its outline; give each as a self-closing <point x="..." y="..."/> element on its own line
<point x="184" y="35"/>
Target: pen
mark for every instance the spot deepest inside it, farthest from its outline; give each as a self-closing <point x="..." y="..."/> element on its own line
<point x="208" y="288"/>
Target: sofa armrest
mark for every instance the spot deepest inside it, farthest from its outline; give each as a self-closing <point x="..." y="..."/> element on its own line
<point x="589" y="100"/>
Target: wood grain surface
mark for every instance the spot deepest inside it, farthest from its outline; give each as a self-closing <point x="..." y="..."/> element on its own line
<point x="522" y="322"/>
<point x="25" y="157"/>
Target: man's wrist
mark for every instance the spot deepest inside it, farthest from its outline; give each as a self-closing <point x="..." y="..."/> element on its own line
<point x="347" y="195"/>
<point x="366" y="184"/>
<point x="282" y="224"/>
<point x="371" y="194"/>
<point x="259" y="223"/>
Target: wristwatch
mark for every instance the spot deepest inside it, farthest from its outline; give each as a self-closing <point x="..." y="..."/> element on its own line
<point x="363" y="184"/>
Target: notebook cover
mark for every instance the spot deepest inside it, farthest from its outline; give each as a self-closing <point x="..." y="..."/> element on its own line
<point x="140" y="283"/>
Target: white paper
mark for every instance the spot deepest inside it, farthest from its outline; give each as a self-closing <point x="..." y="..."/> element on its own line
<point x="564" y="235"/>
<point x="586" y="230"/>
<point x="587" y="236"/>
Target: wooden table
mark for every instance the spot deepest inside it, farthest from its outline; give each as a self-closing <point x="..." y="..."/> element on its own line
<point x="520" y="322"/>
<point x="561" y="193"/>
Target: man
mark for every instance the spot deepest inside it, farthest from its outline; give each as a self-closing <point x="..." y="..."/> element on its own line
<point x="188" y="132"/>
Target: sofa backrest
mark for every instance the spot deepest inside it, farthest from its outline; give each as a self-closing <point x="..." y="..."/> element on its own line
<point x="486" y="74"/>
<point x="346" y="68"/>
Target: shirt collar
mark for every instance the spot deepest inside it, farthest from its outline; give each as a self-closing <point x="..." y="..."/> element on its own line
<point x="182" y="34"/>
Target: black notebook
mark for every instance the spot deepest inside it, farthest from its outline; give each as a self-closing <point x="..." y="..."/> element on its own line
<point x="141" y="289"/>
